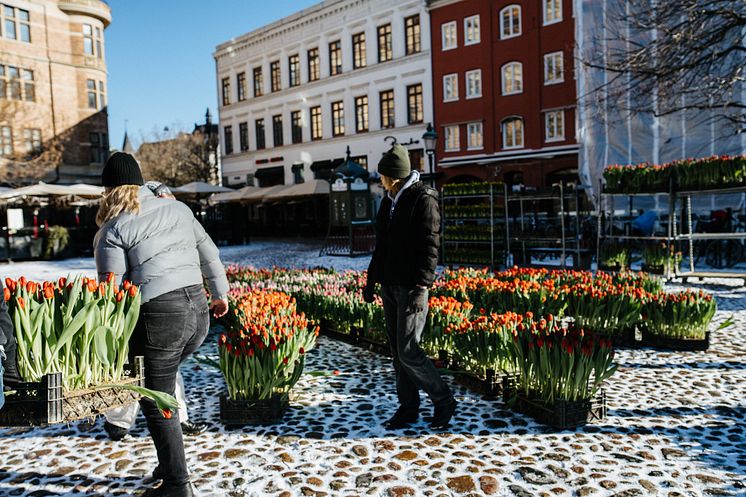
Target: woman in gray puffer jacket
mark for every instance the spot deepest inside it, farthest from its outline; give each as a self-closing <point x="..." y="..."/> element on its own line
<point x="158" y="245"/>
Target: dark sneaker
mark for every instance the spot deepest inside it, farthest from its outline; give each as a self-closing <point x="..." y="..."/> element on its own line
<point x="401" y="419"/>
<point x="442" y="415"/>
<point x="168" y="491"/>
<point x="115" y="432"/>
<point x="189" y="428"/>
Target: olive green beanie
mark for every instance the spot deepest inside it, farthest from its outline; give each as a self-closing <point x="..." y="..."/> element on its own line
<point x="395" y="162"/>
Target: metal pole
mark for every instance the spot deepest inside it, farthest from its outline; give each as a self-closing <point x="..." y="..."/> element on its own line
<point x="431" y="161"/>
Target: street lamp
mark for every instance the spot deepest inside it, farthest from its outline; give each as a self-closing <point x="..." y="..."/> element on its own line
<point x="430" y="137"/>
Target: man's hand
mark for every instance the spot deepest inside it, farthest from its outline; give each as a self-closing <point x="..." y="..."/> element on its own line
<point x="368" y="293"/>
<point x="219" y="307"/>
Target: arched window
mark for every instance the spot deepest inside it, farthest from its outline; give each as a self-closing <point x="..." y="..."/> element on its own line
<point x="510" y="21"/>
<point x="512" y="132"/>
<point x="512" y="78"/>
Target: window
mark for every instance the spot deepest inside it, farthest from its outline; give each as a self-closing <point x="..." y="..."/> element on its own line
<point x="554" y="126"/>
<point x="450" y="87"/>
<point x="449" y="35"/>
<point x="474" y="136"/>
<point x="510" y="21"/>
<point x="29" y="90"/>
<point x="17" y="84"/>
<point x="361" y="114"/>
<point x="335" y="58"/>
<point x="99" y="147"/>
<point x="15" y="25"/>
<point x="101" y="95"/>
<point x="452" y="138"/>
<point x="412" y="34"/>
<point x="275" y="83"/>
<point x="552" y="11"/>
<point x="512" y="129"/>
<point x="226" y="86"/>
<point x="338" y="118"/>
<point x="277" y="138"/>
<point x="6" y="141"/>
<point x="14" y="83"/>
<point x="414" y="104"/>
<point x="294" y="70"/>
<point x="32" y="140"/>
<point x="417" y="159"/>
<point x="474" y="83"/>
<point x="314" y="65"/>
<point x="228" y="135"/>
<point x="259" y="129"/>
<point x="316" y="130"/>
<point x="296" y="126"/>
<point x="92" y="95"/>
<point x="512" y="78"/>
<point x="553" y="70"/>
<point x="358" y="51"/>
<point x="241" y="86"/>
<point x="258" y="82"/>
<point x="92" y="40"/>
<point x="243" y="136"/>
<point x="387" y="109"/>
<point x="385" y="50"/>
<point x="471" y="30"/>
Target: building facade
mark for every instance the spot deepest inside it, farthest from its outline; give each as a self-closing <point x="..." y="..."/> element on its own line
<point x="295" y="94"/>
<point x="53" y="90"/>
<point x="504" y="90"/>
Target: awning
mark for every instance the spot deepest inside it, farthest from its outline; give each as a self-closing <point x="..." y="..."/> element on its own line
<point x="265" y="172"/>
<point x="199" y="188"/>
<point x="310" y="188"/>
<point x="234" y="196"/>
<point x="259" y="194"/>
<point x="43" y="189"/>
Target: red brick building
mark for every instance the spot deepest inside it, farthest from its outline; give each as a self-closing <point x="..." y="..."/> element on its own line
<point x="504" y="90"/>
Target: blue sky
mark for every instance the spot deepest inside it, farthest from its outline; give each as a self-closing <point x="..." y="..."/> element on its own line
<point x="159" y="58"/>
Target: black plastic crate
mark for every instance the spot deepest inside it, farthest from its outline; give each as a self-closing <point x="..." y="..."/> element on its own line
<point x="253" y="412"/>
<point x="330" y="330"/>
<point x="625" y="338"/>
<point x="43" y="403"/>
<point x="563" y="414"/>
<point x="491" y="385"/>
<point x="680" y="344"/>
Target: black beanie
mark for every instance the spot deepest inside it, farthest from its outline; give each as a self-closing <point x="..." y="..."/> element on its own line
<point x="395" y="163"/>
<point x="121" y="169"/>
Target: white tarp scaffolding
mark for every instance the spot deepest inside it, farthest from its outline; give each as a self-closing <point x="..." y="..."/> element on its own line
<point x="608" y="136"/>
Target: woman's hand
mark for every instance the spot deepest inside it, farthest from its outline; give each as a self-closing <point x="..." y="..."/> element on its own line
<point x="219" y="307"/>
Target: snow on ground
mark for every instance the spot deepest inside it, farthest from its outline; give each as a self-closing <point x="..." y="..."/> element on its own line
<point x="676" y="427"/>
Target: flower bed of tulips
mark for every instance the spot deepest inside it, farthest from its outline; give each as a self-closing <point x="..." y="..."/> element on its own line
<point x="263" y="351"/>
<point x="474" y="315"/>
<point x="688" y="174"/>
<point x="681" y="315"/>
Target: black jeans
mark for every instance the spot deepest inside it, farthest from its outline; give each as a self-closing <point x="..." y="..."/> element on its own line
<point x="414" y="371"/>
<point x="171" y="327"/>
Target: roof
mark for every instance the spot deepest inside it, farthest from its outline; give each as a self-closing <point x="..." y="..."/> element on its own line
<point x="310" y="188"/>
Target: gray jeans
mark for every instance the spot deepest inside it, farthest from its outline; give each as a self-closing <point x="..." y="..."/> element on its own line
<point x="414" y="371"/>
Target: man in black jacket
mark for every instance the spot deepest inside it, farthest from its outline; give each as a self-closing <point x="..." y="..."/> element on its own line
<point x="404" y="262"/>
<point x="8" y="368"/>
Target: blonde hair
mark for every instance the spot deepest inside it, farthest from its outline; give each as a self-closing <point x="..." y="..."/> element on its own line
<point x="124" y="198"/>
<point x="392" y="185"/>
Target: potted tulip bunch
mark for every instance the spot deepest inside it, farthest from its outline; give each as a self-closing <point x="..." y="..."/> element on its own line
<point x="73" y="341"/>
<point x="262" y="356"/>
<point x="678" y="320"/>
<point x="660" y="257"/>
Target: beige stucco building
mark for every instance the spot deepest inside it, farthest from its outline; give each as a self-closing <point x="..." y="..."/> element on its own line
<point x="53" y="90"/>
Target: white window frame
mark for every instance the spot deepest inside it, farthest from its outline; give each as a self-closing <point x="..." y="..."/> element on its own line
<point x="443" y="28"/>
<point x="472" y="130"/>
<point x="467" y="78"/>
<point x="508" y="10"/>
<point x="547" y="118"/>
<point x="551" y="58"/>
<point x="556" y="11"/>
<point x="503" y="78"/>
<point x="503" y="129"/>
<point x="447" y="77"/>
<point x="451" y="133"/>
<point x="467" y="21"/>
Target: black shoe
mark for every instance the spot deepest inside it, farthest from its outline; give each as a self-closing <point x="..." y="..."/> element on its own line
<point x="158" y="473"/>
<point x="442" y="415"/>
<point x="401" y="419"/>
<point x="115" y="432"/>
<point x="168" y="491"/>
<point x="189" y="428"/>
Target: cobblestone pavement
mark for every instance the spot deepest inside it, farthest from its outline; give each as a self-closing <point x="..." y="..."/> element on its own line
<point x="675" y="427"/>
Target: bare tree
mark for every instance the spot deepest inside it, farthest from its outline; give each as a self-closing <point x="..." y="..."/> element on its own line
<point x="668" y="56"/>
<point x="177" y="159"/>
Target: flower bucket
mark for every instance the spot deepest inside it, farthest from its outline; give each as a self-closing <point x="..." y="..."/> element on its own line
<point x="244" y="412"/>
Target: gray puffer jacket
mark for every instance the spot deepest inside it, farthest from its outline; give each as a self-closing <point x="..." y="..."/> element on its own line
<point x="163" y="248"/>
